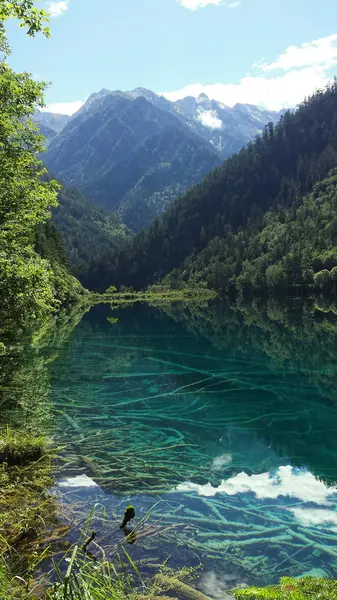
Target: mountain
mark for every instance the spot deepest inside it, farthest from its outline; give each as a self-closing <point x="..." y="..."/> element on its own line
<point x="253" y="223"/>
<point x="54" y="121"/>
<point x="227" y="129"/>
<point x="136" y="151"/>
<point x="51" y="124"/>
<point x="128" y="155"/>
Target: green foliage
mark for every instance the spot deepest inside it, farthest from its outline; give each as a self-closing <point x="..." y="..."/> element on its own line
<point x="17" y="448"/>
<point x="30" y="279"/>
<point x="32" y="18"/>
<point x="112" y="320"/>
<point x="154" y="296"/>
<point x="308" y="588"/>
<point x="322" y="278"/>
<point x="28" y="513"/>
<point x="10" y="586"/>
<point x="97" y="581"/>
<point x="111" y="290"/>
<point x="288" y="247"/>
<point x="24" y="199"/>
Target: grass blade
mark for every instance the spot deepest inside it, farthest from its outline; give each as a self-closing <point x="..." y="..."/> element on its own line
<point x="69" y="572"/>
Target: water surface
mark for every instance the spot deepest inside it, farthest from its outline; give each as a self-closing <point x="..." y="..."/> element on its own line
<point x="223" y="422"/>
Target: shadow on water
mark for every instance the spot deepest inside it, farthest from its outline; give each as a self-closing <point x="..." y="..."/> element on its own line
<point x="220" y="421"/>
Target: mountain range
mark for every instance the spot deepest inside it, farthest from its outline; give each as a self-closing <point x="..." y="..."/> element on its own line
<point x="135" y="152"/>
<point x="266" y="219"/>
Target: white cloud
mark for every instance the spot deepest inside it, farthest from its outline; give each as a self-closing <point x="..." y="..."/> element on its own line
<point x="56" y="9"/>
<point x="209" y="118"/>
<point x="287" y="481"/>
<point x="321" y="53"/>
<point x="274" y="93"/>
<point x="195" y="4"/>
<point x="303" y="69"/>
<point x="64" y="108"/>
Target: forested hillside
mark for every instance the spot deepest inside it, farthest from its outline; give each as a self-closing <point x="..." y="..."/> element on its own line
<point x="92" y="237"/>
<point x="136" y="151"/>
<point x="225" y="215"/>
<point x="287" y="247"/>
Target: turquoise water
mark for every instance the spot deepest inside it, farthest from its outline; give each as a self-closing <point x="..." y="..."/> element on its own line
<point x="219" y="425"/>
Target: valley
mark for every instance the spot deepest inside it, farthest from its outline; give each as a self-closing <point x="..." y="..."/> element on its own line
<point x="168" y="303"/>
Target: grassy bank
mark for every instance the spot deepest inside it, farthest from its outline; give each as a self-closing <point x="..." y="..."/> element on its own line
<point x="28" y="513"/>
<point x="307" y="588"/>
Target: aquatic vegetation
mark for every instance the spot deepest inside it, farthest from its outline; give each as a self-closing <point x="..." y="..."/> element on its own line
<point x="104" y="575"/>
<point x="19" y="448"/>
<point x="87" y="579"/>
<point x="292" y="589"/>
<point x="153" y="295"/>
<point x="178" y="588"/>
<point x="27" y="511"/>
<point x="11" y="587"/>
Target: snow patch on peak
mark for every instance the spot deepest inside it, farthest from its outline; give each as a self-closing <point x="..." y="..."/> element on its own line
<point x="209" y="118"/>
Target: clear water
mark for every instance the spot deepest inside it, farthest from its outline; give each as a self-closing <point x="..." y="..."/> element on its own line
<point x="221" y="423"/>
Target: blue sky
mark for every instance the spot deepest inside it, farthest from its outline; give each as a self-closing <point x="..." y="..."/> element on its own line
<point x="267" y="52"/>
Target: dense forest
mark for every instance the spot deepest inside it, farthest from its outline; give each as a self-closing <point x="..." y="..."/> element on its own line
<point x="293" y="246"/>
<point x="91" y="237"/>
<point x="229" y="230"/>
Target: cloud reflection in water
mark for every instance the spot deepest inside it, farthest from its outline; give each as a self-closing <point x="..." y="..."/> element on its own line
<point x="286" y="481"/>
